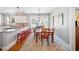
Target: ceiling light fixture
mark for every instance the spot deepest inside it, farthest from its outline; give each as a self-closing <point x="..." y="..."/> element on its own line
<point x="19" y="12"/>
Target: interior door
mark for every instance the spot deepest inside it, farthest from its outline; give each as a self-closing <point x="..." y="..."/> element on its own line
<point x="77" y="36"/>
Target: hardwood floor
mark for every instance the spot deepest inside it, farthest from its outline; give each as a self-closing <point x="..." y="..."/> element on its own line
<point x="17" y="46"/>
<point x="30" y="45"/>
<point x="33" y="46"/>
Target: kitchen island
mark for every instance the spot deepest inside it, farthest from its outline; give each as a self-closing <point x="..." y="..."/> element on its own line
<point x="8" y="37"/>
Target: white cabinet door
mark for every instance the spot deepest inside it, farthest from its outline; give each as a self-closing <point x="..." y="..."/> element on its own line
<point x="20" y="19"/>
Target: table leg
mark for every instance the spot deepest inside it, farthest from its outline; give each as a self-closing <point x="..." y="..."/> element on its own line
<point x="42" y="41"/>
<point x="36" y="38"/>
<point x="52" y="38"/>
<point x="47" y="42"/>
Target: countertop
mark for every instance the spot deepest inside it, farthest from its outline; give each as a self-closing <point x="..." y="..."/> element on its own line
<point x="8" y="30"/>
<point x="22" y="29"/>
<point x="13" y="29"/>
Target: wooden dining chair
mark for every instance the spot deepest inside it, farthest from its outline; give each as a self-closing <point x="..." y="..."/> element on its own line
<point x="45" y="35"/>
<point x="52" y="36"/>
<point x="19" y="37"/>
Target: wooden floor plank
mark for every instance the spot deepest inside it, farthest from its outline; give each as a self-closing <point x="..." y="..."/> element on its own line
<point x="18" y="45"/>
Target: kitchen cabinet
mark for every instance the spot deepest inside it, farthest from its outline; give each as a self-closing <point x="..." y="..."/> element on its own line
<point x="7" y="37"/>
<point x="21" y="19"/>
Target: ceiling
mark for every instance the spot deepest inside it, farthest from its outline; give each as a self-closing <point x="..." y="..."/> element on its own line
<point x="26" y="9"/>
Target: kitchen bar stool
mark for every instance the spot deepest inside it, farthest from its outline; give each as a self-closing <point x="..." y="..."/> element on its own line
<point x="22" y="35"/>
<point x="19" y="37"/>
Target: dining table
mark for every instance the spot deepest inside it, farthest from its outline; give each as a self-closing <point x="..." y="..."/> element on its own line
<point x="39" y="32"/>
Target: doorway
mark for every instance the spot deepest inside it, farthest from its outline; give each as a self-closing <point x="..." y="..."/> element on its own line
<point x="77" y="29"/>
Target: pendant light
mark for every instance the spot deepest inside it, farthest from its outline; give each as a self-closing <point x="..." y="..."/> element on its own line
<point x="19" y="12"/>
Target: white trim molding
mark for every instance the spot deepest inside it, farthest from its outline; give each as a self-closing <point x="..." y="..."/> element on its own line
<point x="61" y="44"/>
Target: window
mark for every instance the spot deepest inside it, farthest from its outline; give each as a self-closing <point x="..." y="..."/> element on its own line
<point x="45" y="21"/>
<point x="39" y="20"/>
<point x="0" y="18"/>
<point x="8" y="20"/>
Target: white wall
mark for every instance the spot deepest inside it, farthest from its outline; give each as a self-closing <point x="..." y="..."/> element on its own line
<point x="72" y="34"/>
<point x="63" y="32"/>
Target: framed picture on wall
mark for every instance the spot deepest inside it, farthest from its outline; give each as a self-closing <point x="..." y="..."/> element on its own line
<point x="61" y="19"/>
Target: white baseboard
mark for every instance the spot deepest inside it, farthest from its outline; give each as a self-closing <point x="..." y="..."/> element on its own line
<point x="9" y="46"/>
<point x="61" y="44"/>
